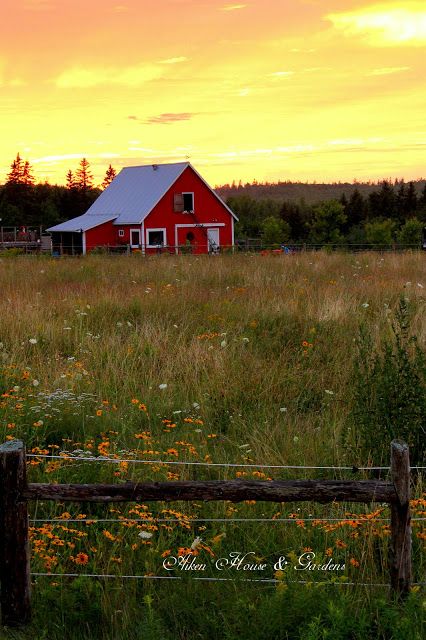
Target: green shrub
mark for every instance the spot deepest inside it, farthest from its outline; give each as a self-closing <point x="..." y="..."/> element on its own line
<point x="389" y="387"/>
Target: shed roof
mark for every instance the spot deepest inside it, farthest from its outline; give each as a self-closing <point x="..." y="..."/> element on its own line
<point x="131" y="196"/>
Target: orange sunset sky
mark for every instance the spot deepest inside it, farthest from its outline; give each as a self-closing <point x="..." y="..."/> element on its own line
<point x="266" y="89"/>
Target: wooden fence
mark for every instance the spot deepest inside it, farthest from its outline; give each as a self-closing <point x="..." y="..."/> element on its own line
<point x="15" y="493"/>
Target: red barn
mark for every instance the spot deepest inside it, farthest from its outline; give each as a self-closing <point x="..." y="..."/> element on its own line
<point x="153" y="208"/>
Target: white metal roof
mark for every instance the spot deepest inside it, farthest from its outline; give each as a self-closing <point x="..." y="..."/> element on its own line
<point x="82" y="223"/>
<point x="131" y="196"/>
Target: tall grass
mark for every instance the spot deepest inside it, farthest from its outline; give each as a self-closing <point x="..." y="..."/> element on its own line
<point x="241" y="359"/>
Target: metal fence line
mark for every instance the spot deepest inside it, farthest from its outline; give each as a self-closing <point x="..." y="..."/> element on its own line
<point x="354" y="469"/>
<point x="208" y="579"/>
<point x="153" y="520"/>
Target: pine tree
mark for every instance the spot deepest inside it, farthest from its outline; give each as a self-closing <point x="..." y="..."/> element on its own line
<point x="27" y="174"/>
<point x="83" y="176"/>
<point x="109" y="177"/>
<point x="16" y="171"/>
<point x="70" y="180"/>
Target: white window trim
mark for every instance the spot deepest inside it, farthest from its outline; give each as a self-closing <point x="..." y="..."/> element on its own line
<point x="121" y="233"/>
<point x="189" y="193"/>
<point x="155" y="246"/>
<point x="132" y="246"/>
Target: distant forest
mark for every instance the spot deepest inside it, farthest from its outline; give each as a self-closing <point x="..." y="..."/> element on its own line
<point x="341" y="213"/>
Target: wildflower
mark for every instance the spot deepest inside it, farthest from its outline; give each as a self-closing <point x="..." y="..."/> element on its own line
<point x="81" y="558"/>
<point x="166" y="553"/>
<point x="162" y="386"/>
<point x="32" y="340"/>
<point x="99" y="412"/>
<point x="283" y="409"/>
<point x="330" y="393"/>
<point x="354" y="562"/>
<point x="145" y="535"/>
<point x="365" y="305"/>
<point x="196" y="543"/>
<point x="35" y="383"/>
<point x="135" y="401"/>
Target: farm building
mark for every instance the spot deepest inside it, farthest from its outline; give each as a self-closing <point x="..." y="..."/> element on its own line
<point x="152" y="209"/>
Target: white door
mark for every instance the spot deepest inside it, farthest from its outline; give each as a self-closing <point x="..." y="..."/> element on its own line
<point x="213" y="238"/>
<point x="135" y="238"/>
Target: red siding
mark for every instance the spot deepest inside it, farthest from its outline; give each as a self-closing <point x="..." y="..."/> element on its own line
<point x="103" y="235"/>
<point x="207" y="209"/>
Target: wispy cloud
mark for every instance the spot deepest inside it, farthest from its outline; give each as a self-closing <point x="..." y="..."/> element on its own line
<point x="133" y="76"/>
<point x="233" y="7"/>
<point x="384" y="25"/>
<point x="173" y="60"/>
<point x="281" y="74"/>
<point x="169" y="118"/>
<point x="386" y="71"/>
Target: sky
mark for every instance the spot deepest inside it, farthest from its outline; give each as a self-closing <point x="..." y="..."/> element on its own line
<point x="309" y="90"/>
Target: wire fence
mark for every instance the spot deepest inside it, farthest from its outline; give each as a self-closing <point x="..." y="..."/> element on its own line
<point x="87" y="458"/>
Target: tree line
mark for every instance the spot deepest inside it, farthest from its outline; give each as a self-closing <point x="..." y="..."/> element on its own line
<point x="388" y="213"/>
<point x="25" y="203"/>
<point x="392" y="213"/>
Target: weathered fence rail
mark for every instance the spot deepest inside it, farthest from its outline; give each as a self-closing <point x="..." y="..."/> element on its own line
<point x="15" y="492"/>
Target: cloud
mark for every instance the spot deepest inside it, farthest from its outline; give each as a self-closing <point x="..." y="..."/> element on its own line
<point x="281" y="74"/>
<point x="169" y="118"/>
<point x="383" y="25"/>
<point x="385" y="71"/>
<point x="78" y="77"/>
<point x="173" y="60"/>
<point x="233" y="7"/>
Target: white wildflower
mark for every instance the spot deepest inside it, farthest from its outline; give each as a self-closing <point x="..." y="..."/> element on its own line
<point x="296" y="439"/>
<point x="365" y="305"/>
<point x="32" y="340"/>
<point x="162" y="386"/>
<point x="146" y="535"/>
<point x="35" y="383"/>
<point x="419" y="284"/>
<point x="223" y="344"/>
<point x="195" y="405"/>
<point x="330" y="393"/>
<point x="283" y="409"/>
<point x="196" y="543"/>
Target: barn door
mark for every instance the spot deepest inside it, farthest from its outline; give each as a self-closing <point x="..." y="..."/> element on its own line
<point x="213" y="239"/>
<point x="135" y="238"/>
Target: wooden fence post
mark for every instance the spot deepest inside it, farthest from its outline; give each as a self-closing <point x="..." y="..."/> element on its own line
<point x="14" y="543"/>
<point x="400" y="547"/>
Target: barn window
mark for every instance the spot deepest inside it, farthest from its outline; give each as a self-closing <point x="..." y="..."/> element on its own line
<point x="188" y="201"/>
<point x="156" y="237"/>
<point x="121" y="233"/>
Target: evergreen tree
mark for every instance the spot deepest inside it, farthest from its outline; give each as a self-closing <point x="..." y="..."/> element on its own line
<point x="16" y="171"/>
<point x="410" y="201"/>
<point x="70" y="180"/>
<point x="83" y="176"/>
<point x="27" y="174"/>
<point x="356" y="209"/>
<point x="109" y="177"/>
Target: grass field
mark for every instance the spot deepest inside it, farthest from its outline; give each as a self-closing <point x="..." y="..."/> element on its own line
<point x="228" y="359"/>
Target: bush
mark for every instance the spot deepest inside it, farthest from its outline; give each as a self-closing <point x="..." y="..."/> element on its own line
<point x="390" y="392"/>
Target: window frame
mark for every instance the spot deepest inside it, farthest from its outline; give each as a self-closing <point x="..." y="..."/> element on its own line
<point x="156" y="229"/>
<point x="188" y="193"/>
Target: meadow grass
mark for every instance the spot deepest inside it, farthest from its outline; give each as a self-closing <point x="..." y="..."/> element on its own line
<point x="230" y="359"/>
